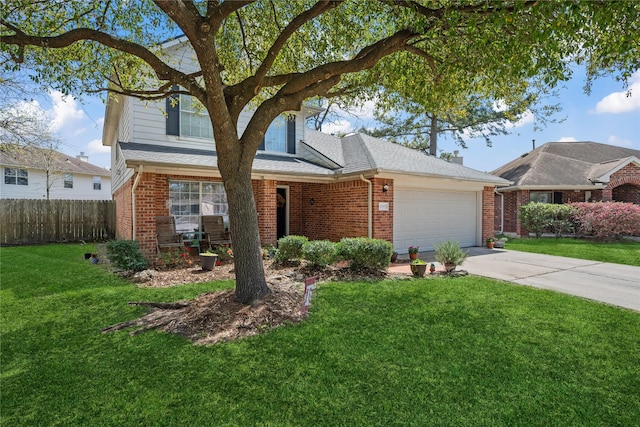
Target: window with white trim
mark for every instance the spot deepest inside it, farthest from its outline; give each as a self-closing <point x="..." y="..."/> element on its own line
<point x="97" y="183"/>
<point x="194" y="120"/>
<point x="68" y="180"/>
<point x="14" y="176"/>
<point x="276" y="137"/>
<point x="188" y="200"/>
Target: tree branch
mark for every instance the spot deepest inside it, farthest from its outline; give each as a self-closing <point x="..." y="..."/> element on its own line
<point x="162" y="70"/>
<point x="244" y="41"/>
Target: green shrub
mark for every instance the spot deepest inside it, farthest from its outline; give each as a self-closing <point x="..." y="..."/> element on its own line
<point x="547" y="218"/>
<point x="534" y="217"/>
<point x="365" y="253"/>
<point x="561" y="219"/>
<point x="290" y="248"/>
<point x="449" y="252"/>
<point x="126" y="255"/>
<point x="175" y="257"/>
<point x="225" y="253"/>
<point x="320" y="252"/>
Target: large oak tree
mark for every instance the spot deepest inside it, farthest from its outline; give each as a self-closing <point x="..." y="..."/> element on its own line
<point x="275" y="54"/>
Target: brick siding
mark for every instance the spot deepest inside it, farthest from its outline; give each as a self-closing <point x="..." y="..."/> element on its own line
<point x="624" y="186"/>
<point x="317" y="210"/>
<point x="488" y="213"/>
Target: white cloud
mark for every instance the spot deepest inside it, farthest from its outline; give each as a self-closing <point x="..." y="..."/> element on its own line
<point x="342" y="126"/>
<point x="567" y="139"/>
<point x="619" y="102"/>
<point x="527" y="118"/>
<point x="95" y="146"/>
<point x="64" y="112"/>
<point x="620" y="142"/>
<point x="100" y="122"/>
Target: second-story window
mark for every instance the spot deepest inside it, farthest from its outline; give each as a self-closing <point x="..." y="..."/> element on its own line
<point x="276" y="137"/>
<point x="68" y="180"/>
<point x="194" y="120"/>
<point x="97" y="183"/>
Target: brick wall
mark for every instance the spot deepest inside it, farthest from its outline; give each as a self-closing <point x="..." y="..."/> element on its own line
<point x="625" y="184"/>
<point x="124" y="219"/>
<point x="264" y="193"/>
<point x="335" y="210"/>
<point x="382" y="220"/>
<point x="522" y="198"/>
<point x="296" y="207"/>
<point x="488" y="213"/>
<point x="627" y="193"/>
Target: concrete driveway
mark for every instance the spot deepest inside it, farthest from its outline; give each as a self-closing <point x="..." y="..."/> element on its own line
<point x="614" y="284"/>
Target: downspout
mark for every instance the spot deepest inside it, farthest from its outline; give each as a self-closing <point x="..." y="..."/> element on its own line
<point x="369" y="206"/>
<point x="133" y="199"/>
<point x="495" y="190"/>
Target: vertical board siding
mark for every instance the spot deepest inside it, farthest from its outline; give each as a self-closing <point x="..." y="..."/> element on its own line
<point x="42" y="221"/>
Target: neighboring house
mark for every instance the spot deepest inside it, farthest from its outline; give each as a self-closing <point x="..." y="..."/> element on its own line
<point x="304" y="182"/>
<point x="564" y="172"/>
<point x="38" y="173"/>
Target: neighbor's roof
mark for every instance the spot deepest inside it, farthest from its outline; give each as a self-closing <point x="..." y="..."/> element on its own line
<point x="34" y="158"/>
<point x="570" y="164"/>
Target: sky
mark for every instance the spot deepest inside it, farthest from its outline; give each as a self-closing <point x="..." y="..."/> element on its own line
<point x="607" y="116"/>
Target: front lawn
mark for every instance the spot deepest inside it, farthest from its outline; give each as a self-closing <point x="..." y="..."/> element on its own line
<point x="622" y="252"/>
<point x="444" y="351"/>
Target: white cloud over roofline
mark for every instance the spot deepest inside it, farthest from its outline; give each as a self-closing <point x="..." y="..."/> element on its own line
<point x="623" y="101"/>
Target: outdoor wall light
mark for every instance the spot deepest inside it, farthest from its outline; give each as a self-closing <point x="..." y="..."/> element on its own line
<point x="312" y="201"/>
<point x="385" y="188"/>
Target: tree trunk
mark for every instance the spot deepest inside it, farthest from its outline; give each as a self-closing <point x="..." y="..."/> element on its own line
<point x="251" y="284"/>
<point x="433" y="136"/>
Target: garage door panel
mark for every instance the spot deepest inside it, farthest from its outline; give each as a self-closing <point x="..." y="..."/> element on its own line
<point x="424" y="218"/>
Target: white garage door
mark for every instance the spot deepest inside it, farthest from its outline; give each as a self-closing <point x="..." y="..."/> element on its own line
<point x="426" y="217"/>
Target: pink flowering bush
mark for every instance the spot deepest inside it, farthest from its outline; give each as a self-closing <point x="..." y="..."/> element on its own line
<point x="608" y="220"/>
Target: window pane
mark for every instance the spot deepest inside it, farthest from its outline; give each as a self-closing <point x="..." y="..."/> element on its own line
<point x="187" y="206"/>
<point x="97" y="183"/>
<point x="16" y="176"/>
<point x="540" y="197"/>
<point x="276" y="137"/>
<point x="68" y="180"/>
<point x="194" y="120"/>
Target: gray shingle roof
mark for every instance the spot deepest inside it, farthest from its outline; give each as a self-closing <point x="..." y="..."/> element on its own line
<point x="34" y="158"/>
<point x="135" y="153"/>
<point x="362" y="153"/>
<point x="324" y="157"/>
<point x="564" y="164"/>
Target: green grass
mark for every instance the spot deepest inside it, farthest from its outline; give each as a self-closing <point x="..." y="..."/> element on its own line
<point x="622" y="252"/>
<point x="446" y="351"/>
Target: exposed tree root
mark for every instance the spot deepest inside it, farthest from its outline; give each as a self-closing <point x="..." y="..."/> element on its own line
<point x="214" y="317"/>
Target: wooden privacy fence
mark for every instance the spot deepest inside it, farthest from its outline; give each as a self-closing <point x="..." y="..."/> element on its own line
<point x="42" y="221"/>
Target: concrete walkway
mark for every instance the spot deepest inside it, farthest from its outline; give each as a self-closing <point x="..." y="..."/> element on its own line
<point x="614" y="284"/>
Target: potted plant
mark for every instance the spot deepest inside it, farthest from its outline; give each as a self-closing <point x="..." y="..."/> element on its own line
<point x="499" y="243"/>
<point x="450" y="255"/>
<point x="413" y="252"/>
<point x="418" y="267"/>
<point x="490" y="242"/>
<point x="208" y="260"/>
